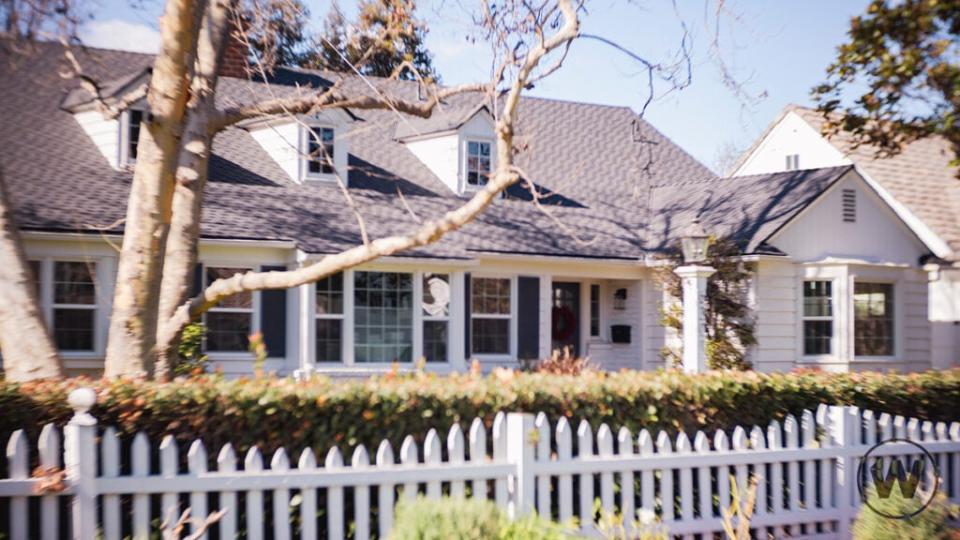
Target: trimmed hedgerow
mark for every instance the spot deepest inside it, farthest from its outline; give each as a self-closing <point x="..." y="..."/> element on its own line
<point x="274" y="412"/>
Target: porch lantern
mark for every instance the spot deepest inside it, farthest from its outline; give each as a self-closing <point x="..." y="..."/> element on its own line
<point x="694" y="276"/>
<point x="694" y="243"/>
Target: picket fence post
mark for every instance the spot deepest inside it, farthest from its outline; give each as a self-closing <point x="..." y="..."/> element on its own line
<point x="521" y="445"/>
<point x="844" y="436"/>
<point x="80" y="462"/>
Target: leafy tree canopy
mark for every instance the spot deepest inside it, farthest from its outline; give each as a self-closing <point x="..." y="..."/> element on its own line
<point x="903" y="58"/>
<point x="387" y="40"/>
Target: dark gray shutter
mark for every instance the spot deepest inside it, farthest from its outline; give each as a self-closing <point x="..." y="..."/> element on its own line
<point x="273" y="317"/>
<point x="528" y="314"/>
<point x="466" y="316"/>
<point x="198" y="283"/>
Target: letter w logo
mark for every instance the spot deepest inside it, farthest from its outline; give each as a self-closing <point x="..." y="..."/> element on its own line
<point x="909" y="481"/>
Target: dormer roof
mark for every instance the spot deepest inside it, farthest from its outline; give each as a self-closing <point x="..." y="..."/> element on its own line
<point x="587" y="156"/>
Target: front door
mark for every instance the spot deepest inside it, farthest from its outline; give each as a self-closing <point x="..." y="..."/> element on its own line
<point x="565" y="320"/>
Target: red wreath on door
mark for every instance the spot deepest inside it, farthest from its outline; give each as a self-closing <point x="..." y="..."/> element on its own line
<point x="564" y="323"/>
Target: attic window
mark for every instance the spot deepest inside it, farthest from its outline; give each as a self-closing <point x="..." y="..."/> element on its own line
<point x="793" y="162"/>
<point x="849" y="206"/>
<point x="320" y="151"/>
<point x="134" y="119"/>
<point x="478" y="163"/>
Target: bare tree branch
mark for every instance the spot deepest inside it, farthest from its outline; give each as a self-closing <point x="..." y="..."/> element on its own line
<point x="426" y="233"/>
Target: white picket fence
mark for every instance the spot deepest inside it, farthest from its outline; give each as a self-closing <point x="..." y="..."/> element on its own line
<point x="805" y="468"/>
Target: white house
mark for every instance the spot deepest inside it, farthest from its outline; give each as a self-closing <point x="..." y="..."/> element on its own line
<point x="919" y="185"/>
<point x="841" y="281"/>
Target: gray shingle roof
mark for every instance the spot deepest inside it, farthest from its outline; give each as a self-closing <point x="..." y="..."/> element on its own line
<point x="920" y="177"/>
<point x="621" y="198"/>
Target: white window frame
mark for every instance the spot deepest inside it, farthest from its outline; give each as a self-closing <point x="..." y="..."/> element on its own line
<point x="349" y="363"/>
<point x="512" y="317"/>
<point x="832" y="318"/>
<point x="342" y="317"/>
<point x="253" y="310"/>
<point x="103" y="287"/>
<point x="897" y="318"/>
<point x="420" y="313"/>
<point x="464" y="169"/>
<point x="94" y="307"/>
<point x="590" y="335"/>
<point x="304" y="152"/>
<point x="124" y="157"/>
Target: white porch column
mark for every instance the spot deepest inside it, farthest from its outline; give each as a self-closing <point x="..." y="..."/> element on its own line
<point x="694" y="278"/>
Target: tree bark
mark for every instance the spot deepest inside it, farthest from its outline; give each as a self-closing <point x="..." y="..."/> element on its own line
<point x="133" y="320"/>
<point x="427" y="233"/>
<point x="28" y="350"/>
<point x="191" y="179"/>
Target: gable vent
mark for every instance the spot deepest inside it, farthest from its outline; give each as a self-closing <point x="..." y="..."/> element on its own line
<point x="849" y="206"/>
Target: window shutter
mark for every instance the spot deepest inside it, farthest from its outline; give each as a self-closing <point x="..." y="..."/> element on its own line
<point x="528" y="314"/>
<point x="273" y="317"/>
<point x="466" y="316"/>
<point x="197" y="280"/>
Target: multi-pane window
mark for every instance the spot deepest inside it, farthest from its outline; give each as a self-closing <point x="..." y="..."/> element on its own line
<point x="74" y="305"/>
<point x="817" y="317"/>
<point x="490" y="315"/>
<point x="230" y="323"/>
<point x="478" y="163"/>
<point x="320" y="150"/>
<point x="873" y="319"/>
<point x="329" y="319"/>
<point x="436" y="316"/>
<point x="594" y="310"/>
<point x="383" y="317"/>
<point x="134" y="119"/>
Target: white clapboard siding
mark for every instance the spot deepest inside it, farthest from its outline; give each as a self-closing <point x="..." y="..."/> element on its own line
<point x="801" y="464"/>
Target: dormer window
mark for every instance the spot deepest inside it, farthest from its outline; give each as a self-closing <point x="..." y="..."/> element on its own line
<point x="477" y="164"/>
<point x="319" y="155"/>
<point x="131" y="135"/>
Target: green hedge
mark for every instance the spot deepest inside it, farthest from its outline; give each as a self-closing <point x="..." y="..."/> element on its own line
<point x="280" y="412"/>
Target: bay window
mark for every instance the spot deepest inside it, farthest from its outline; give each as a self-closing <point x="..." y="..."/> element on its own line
<point x="383" y="317"/>
<point x="436" y="317"/>
<point x="74" y="305"/>
<point x="329" y="319"/>
<point x="817" y="317"/>
<point x="490" y="317"/>
<point x="230" y="323"/>
<point x="873" y="323"/>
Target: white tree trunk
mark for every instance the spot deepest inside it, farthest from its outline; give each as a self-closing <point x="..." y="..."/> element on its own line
<point x="133" y="321"/>
<point x="28" y="350"/>
<point x="191" y="179"/>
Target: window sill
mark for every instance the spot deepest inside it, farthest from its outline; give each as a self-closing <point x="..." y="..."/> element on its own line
<point x="875" y="359"/>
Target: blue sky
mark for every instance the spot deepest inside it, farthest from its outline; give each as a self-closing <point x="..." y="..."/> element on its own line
<point x="775" y="50"/>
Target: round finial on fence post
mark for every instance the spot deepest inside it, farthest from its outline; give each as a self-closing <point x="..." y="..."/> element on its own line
<point x="82" y="400"/>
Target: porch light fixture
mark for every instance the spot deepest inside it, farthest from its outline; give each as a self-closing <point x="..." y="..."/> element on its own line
<point x="620" y="299"/>
<point x="694" y="243"/>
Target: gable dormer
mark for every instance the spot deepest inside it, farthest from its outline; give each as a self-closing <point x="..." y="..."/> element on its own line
<point x="115" y="135"/>
<point x="309" y="148"/>
<point x="460" y="149"/>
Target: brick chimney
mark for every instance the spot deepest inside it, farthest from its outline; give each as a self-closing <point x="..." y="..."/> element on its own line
<point x="234" y="61"/>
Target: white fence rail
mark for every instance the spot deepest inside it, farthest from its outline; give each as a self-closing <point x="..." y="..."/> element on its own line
<point x="117" y="489"/>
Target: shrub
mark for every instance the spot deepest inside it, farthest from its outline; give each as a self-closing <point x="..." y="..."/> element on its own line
<point x="467" y="519"/>
<point x="191" y="359"/>
<point x="933" y="523"/>
<point x="321" y="412"/>
<point x="564" y="363"/>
